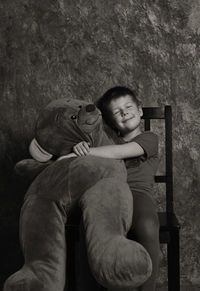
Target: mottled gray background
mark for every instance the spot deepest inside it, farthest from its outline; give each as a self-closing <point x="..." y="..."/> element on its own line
<point x="57" y="48"/>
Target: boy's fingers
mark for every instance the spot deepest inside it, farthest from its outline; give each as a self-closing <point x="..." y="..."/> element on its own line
<point x="76" y="151"/>
<point x="86" y="147"/>
<point x="80" y="150"/>
<point x="83" y="147"/>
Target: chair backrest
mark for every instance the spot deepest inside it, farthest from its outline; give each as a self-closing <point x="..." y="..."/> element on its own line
<point x="164" y="113"/>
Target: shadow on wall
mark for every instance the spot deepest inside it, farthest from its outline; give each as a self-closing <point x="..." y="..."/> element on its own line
<point x="12" y="191"/>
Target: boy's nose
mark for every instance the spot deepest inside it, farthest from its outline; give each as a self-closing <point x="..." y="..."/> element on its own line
<point x="90" y="108"/>
<point x="124" y="113"/>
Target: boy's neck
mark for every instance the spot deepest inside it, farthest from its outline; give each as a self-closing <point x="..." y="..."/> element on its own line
<point x="130" y="135"/>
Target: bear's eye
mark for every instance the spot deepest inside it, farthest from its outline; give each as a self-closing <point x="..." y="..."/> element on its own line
<point x="73" y="117"/>
<point x="80" y="106"/>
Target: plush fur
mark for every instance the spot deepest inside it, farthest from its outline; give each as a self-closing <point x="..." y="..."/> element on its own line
<point x="98" y="185"/>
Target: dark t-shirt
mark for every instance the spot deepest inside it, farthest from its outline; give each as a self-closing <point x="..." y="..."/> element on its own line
<point x="141" y="170"/>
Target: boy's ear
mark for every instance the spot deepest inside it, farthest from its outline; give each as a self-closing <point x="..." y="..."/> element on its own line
<point x="140" y="111"/>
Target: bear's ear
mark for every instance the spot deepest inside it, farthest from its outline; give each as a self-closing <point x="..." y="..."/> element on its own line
<point x="38" y="153"/>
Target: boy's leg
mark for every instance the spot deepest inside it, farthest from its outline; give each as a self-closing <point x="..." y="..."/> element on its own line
<point x="146" y="231"/>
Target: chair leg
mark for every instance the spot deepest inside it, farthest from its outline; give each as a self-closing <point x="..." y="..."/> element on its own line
<point x="173" y="261"/>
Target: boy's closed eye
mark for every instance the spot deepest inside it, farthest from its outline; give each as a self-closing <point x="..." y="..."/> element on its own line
<point x="116" y="112"/>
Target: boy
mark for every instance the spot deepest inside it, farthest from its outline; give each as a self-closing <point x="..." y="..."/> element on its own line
<point x="122" y="111"/>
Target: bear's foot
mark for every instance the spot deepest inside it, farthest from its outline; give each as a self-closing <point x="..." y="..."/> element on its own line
<point x="23" y="280"/>
<point x="115" y="261"/>
<point x="120" y="264"/>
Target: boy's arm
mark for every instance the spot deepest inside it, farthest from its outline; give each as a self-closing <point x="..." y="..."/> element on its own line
<point x="121" y="151"/>
<point x="143" y="144"/>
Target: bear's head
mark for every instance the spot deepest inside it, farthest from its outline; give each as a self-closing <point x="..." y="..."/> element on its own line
<point x="66" y="122"/>
<point x="60" y="125"/>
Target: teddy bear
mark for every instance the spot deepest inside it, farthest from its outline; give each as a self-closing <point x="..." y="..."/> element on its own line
<point x="97" y="185"/>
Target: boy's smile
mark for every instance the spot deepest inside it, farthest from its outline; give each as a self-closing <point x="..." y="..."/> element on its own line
<point x="126" y="115"/>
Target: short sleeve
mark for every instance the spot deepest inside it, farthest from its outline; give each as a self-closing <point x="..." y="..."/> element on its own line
<point x="149" y="142"/>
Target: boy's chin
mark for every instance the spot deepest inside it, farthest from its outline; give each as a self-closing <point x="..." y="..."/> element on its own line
<point x="130" y="127"/>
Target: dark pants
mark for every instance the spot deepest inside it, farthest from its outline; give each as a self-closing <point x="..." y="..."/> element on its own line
<point x="145" y="228"/>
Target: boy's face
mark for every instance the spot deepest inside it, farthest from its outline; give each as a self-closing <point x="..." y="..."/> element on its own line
<point x="126" y="115"/>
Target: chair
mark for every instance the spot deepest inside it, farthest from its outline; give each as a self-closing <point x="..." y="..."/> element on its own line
<point x="169" y="225"/>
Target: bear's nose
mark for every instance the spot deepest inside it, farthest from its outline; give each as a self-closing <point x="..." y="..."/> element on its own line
<point x="90" y="108"/>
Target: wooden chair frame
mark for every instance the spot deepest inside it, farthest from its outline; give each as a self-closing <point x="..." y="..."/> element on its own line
<point x="169" y="225"/>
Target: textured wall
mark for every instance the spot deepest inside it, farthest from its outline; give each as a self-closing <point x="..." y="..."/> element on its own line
<point x="57" y="48"/>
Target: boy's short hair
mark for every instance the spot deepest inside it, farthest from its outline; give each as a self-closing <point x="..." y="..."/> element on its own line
<point x="113" y="94"/>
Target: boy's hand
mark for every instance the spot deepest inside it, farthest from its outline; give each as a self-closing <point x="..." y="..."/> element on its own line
<point x="81" y="148"/>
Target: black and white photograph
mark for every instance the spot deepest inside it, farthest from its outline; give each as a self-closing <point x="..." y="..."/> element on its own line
<point x="99" y="145"/>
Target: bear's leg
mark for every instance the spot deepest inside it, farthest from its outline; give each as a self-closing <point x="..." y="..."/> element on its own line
<point x="115" y="261"/>
<point x="42" y="229"/>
